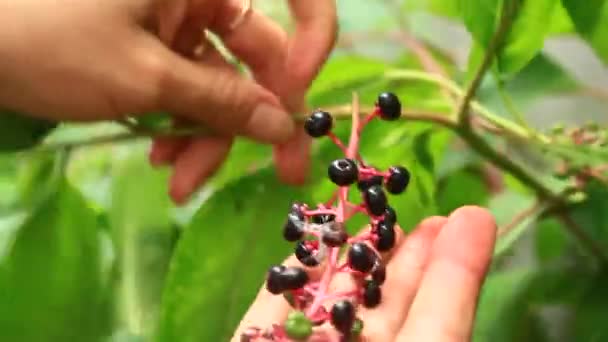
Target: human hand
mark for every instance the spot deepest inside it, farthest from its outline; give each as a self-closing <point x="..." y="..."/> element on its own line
<point x="95" y="60"/>
<point x="434" y="276"/>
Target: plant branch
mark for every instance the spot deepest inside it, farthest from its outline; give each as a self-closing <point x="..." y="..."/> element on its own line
<point x="462" y="112"/>
<point x="579" y="233"/>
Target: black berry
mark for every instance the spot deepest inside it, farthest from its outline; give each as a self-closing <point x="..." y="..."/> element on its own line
<point x="366" y="183"/>
<point x="375" y="200"/>
<point x="398" y="180"/>
<point x="390" y="106"/>
<point x="371" y="294"/>
<point x="334" y="234"/>
<point x="293" y="230"/>
<point x="379" y="274"/>
<point x="322" y="218"/>
<point x="274" y="282"/>
<point x="318" y="124"/>
<point x="386" y="236"/>
<point x="294" y="278"/>
<point x="304" y="254"/>
<point x="343" y="316"/>
<point x="390" y="215"/>
<point x="343" y="172"/>
<point x="361" y="258"/>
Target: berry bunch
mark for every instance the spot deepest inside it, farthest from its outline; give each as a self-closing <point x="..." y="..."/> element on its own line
<point x="320" y="235"/>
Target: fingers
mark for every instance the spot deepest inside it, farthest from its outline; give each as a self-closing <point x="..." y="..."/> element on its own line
<point x="268" y="309"/>
<point x="195" y="164"/>
<point x="444" y="307"/>
<point x="403" y="275"/>
<point x="225" y="102"/>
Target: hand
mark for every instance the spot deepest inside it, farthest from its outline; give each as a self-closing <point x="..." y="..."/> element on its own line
<point x="433" y="281"/>
<point x="99" y="60"/>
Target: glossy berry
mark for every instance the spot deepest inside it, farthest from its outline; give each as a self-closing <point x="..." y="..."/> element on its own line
<point x="366" y="183"/>
<point x="322" y="218"/>
<point x="361" y="258"/>
<point x="389" y="106"/>
<point x="294" y="278"/>
<point x="398" y="180"/>
<point x="379" y="274"/>
<point x="304" y="254"/>
<point x="386" y="236"/>
<point x="293" y="230"/>
<point x="372" y="295"/>
<point x="274" y="282"/>
<point x="318" y="124"/>
<point x="298" y="326"/>
<point x="343" y="316"/>
<point x="390" y="215"/>
<point x="343" y="172"/>
<point x="334" y="234"/>
<point x="375" y="200"/>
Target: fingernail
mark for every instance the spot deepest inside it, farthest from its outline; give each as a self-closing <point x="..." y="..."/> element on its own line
<point x="270" y="124"/>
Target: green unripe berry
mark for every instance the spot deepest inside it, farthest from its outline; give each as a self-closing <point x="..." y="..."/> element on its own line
<point x="298" y="326"/>
<point x="357" y="328"/>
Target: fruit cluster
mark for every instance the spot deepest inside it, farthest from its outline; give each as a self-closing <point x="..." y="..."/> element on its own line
<point x="320" y="234"/>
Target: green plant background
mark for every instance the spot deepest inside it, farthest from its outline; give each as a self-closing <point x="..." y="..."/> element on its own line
<point x="91" y="248"/>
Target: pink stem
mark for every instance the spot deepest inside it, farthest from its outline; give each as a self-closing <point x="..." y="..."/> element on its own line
<point x="343" y="294"/>
<point x="353" y="142"/>
<point x="337" y="141"/>
<point x="319" y="212"/>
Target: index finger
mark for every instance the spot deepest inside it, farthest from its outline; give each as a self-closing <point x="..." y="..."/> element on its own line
<point x="444" y="307"/>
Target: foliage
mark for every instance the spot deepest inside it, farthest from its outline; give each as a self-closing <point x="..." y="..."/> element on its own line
<point x="91" y="249"/>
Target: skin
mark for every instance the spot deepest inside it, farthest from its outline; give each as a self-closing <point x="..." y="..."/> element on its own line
<point x="434" y="276"/>
<point x="103" y="59"/>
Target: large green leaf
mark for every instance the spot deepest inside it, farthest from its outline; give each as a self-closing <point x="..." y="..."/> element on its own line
<point x="50" y="286"/>
<point x="143" y="234"/>
<point x="591" y="21"/>
<point x="19" y="132"/>
<point x="463" y="187"/>
<point x="222" y="258"/>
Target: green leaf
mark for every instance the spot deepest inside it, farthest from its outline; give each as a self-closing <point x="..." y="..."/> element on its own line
<point x="591" y="21"/>
<point x="245" y="157"/>
<point x="221" y="259"/>
<point x="529" y="25"/>
<point x="49" y="282"/>
<point x="143" y="234"/>
<point x="463" y="187"/>
<point x="550" y="240"/>
<point x="20" y="132"/>
<point x="590" y="313"/>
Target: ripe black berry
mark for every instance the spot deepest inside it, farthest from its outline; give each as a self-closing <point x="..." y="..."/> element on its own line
<point x="390" y="215"/>
<point x="294" y="278"/>
<point x="390" y="106"/>
<point x="366" y="183"/>
<point x="322" y="218"/>
<point x="304" y="254"/>
<point x="318" y="124"/>
<point x="371" y="294"/>
<point x="398" y="180"/>
<point x="386" y="236"/>
<point x="293" y="230"/>
<point x="274" y="282"/>
<point x="334" y="234"/>
<point x="343" y="316"/>
<point x="361" y="257"/>
<point x="379" y="274"/>
<point x="375" y="200"/>
<point x="343" y="172"/>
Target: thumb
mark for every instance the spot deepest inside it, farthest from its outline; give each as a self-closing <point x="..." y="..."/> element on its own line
<point x="221" y="99"/>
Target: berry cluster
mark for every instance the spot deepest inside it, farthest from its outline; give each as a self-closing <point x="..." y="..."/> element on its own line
<point x="320" y="235"/>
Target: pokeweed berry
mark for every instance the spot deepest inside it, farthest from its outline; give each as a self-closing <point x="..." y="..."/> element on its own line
<point x="343" y="171"/>
<point x="371" y="294"/>
<point x="318" y="124"/>
<point x="275" y="283"/>
<point x="333" y="234"/>
<point x="322" y="218"/>
<point x="364" y="184"/>
<point x="298" y="326"/>
<point x="375" y="200"/>
<point x="343" y="316"/>
<point x="294" y="278"/>
<point x="304" y="253"/>
<point x="379" y="274"/>
<point x="361" y="257"/>
<point x="293" y="230"/>
<point x="390" y="215"/>
<point x="357" y="328"/>
<point x="386" y="236"/>
<point x="389" y="106"/>
<point x="398" y="179"/>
